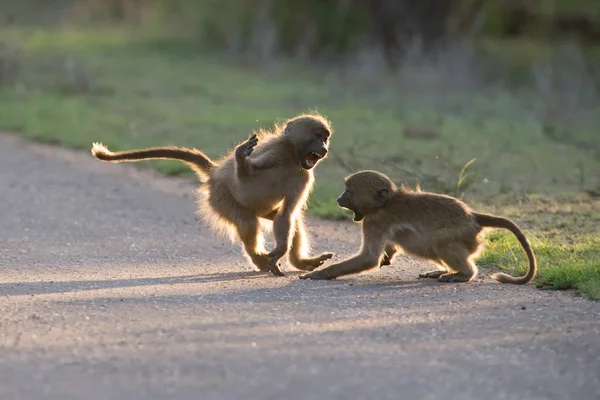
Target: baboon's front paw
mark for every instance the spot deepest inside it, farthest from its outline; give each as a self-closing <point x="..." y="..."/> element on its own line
<point x="457" y="277"/>
<point x="432" y="274"/>
<point x="316" y="276"/>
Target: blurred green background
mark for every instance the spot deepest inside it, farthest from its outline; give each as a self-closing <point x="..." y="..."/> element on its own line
<point x="495" y="101"/>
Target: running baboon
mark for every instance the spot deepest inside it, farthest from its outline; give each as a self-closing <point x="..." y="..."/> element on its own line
<point x="268" y="176"/>
<point x="432" y="226"/>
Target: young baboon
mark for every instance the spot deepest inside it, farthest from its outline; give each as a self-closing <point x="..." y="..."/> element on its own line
<point x="268" y="176"/>
<point x="432" y="226"/>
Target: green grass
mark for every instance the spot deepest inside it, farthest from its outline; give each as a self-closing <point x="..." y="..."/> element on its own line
<point x="561" y="266"/>
<point x="131" y="90"/>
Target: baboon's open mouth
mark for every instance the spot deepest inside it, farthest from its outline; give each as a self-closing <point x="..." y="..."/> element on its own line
<point x="312" y="159"/>
<point x="358" y="216"/>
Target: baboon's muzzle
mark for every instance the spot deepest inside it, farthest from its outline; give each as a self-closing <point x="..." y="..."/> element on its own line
<point x="343" y="201"/>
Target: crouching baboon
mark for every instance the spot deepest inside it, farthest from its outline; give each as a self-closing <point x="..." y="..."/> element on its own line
<point x="432" y="226"/>
<point x="268" y="176"/>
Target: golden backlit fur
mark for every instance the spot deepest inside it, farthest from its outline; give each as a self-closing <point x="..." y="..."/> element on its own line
<point x="269" y="177"/>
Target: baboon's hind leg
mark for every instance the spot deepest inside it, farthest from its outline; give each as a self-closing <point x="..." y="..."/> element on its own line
<point x="456" y="257"/>
<point x="246" y="224"/>
<point x="300" y="247"/>
<point x="251" y="237"/>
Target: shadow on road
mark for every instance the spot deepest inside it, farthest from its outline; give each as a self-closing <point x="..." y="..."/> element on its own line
<point x="49" y="287"/>
<point x="381" y="311"/>
<point x="332" y="292"/>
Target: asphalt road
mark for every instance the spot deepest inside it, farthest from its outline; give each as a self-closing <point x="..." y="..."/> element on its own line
<point x="110" y="289"/>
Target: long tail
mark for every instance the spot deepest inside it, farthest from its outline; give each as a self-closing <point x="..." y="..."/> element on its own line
<point x="499" y="222"/>
<point x="195" y="159"/>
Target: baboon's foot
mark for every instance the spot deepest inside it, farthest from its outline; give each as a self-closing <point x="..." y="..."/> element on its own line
<point x="432" y="274"/>
<point x="274" y="258"/>
<point x="274" y="268"/>
<point x="456" y="277"/>
<point x="261" y="261"/>
<point x="309" y="264"/>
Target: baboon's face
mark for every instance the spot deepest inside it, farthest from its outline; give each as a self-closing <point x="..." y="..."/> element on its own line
<point x="311" y="139"/>
<point x="316" y="149"/>
<point x="365" y="192"/>
<point x="345" y="201"/>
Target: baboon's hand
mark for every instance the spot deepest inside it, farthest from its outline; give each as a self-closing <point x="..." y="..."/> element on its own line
<point x="316" y="275"/>
<point x="246" y="148"/>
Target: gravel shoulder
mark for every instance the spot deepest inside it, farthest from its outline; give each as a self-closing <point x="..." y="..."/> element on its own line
<point x="110" y="288"/>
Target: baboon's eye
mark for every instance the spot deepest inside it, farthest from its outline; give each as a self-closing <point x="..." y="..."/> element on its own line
<point x="319" y="134"/>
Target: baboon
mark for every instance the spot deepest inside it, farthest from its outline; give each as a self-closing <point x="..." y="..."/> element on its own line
<point x="436" y="227"/>
<point x="268" y="176"/>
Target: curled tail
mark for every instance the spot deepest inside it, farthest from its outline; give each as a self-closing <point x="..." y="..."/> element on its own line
<point x="492" y="221"/>
<point x="195" y="159"/>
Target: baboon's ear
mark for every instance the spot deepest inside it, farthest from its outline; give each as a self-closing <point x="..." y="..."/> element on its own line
<point x="381" y="197"/>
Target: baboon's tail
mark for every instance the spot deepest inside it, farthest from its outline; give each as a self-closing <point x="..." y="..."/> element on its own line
<point x="196" y="159"/>
<point x="499" y="222"/>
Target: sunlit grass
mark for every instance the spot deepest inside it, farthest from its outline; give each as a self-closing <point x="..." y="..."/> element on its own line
<point x="565" y="237"/>
<point x="561" y="266"/>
